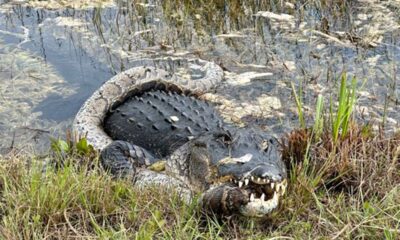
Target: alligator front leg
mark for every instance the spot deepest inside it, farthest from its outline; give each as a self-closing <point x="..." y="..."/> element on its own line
<point x="122" y="158"/>
<point x="147" y="178"/>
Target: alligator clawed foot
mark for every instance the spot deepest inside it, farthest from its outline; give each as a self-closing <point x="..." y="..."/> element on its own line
<point x="122" y="158"/>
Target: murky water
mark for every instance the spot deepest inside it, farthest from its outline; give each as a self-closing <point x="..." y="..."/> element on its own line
<point x="52" y="60"/>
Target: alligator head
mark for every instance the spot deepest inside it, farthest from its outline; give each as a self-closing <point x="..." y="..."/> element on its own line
<point x="238" y="171"/>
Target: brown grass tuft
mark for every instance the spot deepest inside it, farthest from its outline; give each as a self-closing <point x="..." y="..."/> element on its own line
<point x="360" y="161"/>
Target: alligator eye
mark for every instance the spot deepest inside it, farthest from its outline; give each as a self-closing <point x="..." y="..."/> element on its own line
<point x="224" y="138"/>
<point x="267" y="142"/>
<point x="264" y="145"/>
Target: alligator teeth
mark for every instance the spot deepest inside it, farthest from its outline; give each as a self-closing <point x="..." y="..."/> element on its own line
<point x="259" y="180"/>
<point x="246" y="182"/>
<point x="276" y="196"/>
<point x="240" y="184"/>
<point x="283" y="187"/>
<point x="260" y="206"/>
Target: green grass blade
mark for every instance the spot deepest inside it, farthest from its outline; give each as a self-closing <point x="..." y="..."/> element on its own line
<point x="351" y="99"/>
<point x="299" y="105"/>
<point x="341" y="108"/>
<point x="318" y="125"/>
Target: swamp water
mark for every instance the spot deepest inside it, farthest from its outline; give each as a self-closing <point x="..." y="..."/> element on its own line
<point x="55" y="54"/>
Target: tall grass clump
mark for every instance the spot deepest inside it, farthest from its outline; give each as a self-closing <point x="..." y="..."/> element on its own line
<point x="343" y="155"/>
<point x="339" y="117"/>
<point x="326" y="130"/>
<point x="346" y="100"/>
<point x="343" y="176"/>
<point x="336" y="124"/>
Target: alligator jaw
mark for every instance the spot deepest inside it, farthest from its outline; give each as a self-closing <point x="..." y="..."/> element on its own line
<point x="263" y="195"/>
<point x="259" y="207"/>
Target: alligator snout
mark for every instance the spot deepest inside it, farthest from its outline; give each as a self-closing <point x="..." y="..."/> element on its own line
<point x="246" y="172"/>
<point x="264" y="185"/>
<point x="256" y="171"/>
<point x="260" y="175"/>
<point x="268" y="172"/>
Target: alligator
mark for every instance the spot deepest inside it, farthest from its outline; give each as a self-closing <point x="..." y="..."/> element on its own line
<point x="150" y="124"/>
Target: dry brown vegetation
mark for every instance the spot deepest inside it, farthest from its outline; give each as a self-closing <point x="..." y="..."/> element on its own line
<point x="361" y="161"/>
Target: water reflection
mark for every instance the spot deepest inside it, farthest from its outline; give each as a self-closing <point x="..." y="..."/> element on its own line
<point x="59" y="57"/>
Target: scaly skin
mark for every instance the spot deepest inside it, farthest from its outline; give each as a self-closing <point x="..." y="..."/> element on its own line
<point x="234" y="170"/>
<point x="88" y="121"/>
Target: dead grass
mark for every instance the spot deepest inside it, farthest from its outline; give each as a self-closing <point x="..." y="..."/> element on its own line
<point x="361" y="161"/>
<point x="345" y="191"/>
